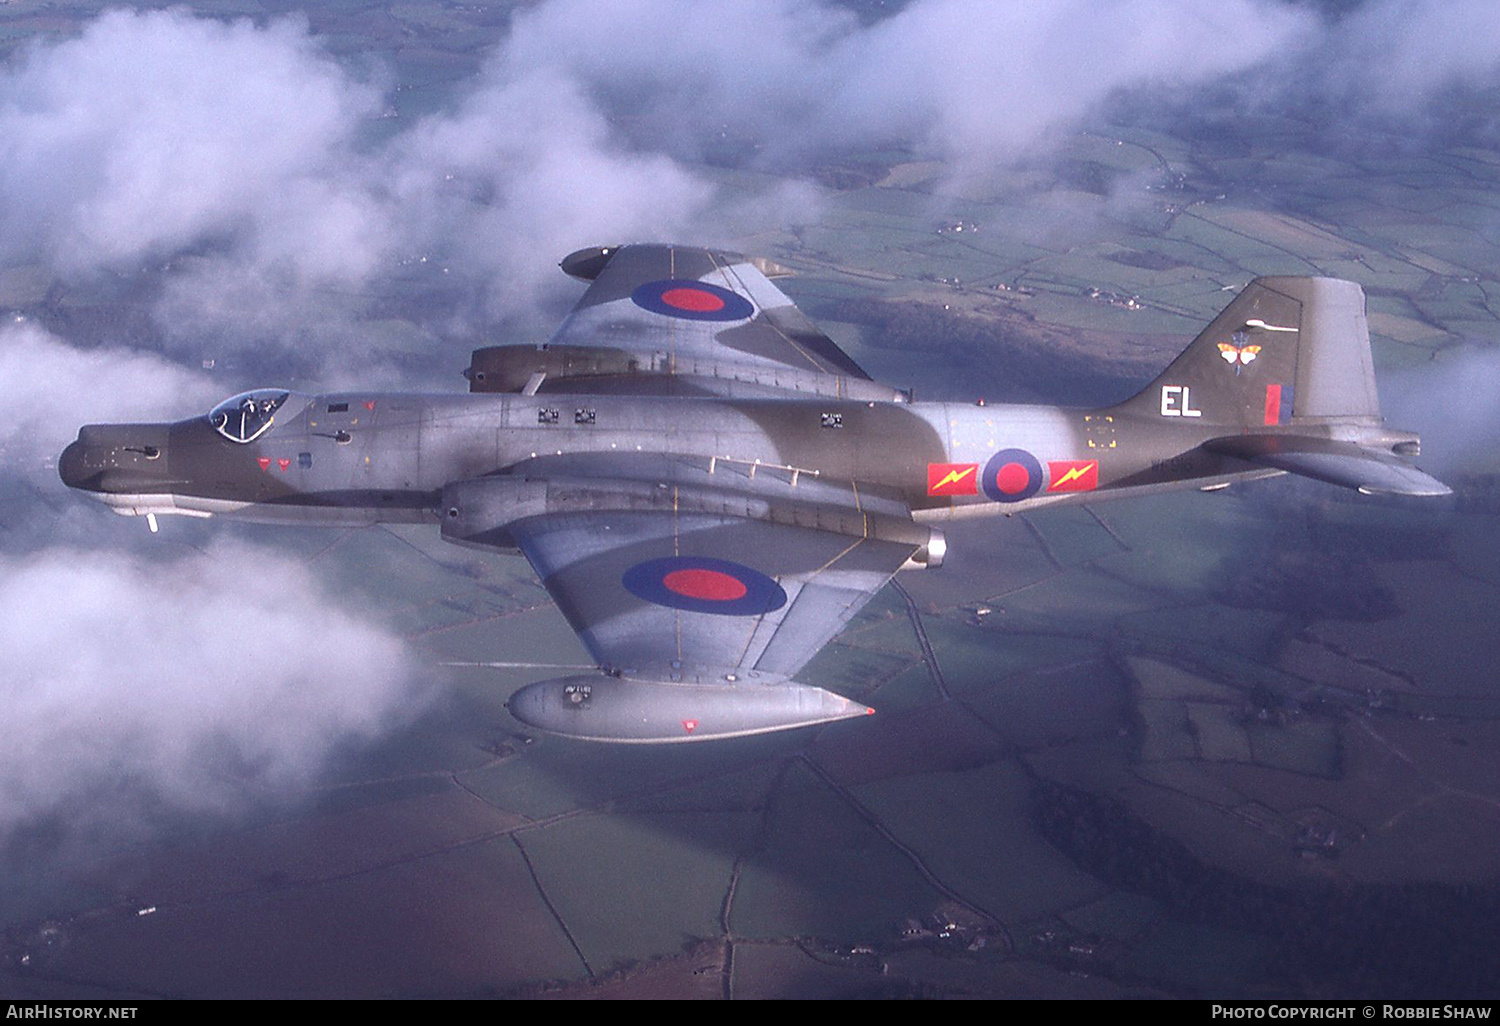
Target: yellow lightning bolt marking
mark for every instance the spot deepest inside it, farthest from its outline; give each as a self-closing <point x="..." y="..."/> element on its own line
<point x="1072" y="475"/>
<point x="955" y="476"/>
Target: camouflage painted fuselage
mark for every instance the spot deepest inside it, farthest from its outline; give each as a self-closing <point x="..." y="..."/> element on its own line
<point x="710" y="489"/>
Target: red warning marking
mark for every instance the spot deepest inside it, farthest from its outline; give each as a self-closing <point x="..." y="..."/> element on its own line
<point x="1012" y="478"/>
<point x="264" y="461"/>
<point x="952" y="479"/>
<point x="696" y="300"/>
<point x="1073" y="475"/>
<point x="283" y="464"/>
<point x="709" y="585"/>
<point x="689" y="725"/>
<point x="369" y="404"/>
<point x="1273" y="404"/>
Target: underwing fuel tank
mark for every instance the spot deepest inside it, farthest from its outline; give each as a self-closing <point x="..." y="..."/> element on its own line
<point x="645" y="711"/>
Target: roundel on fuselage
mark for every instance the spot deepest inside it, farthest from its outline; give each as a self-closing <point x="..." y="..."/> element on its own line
<point x="1011" y="475"/>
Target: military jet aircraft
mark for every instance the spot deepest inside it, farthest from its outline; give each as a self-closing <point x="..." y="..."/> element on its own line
<point x="709" y="488"/>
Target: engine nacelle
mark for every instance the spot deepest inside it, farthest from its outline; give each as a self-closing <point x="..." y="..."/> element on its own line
<point x="479" y="511"/>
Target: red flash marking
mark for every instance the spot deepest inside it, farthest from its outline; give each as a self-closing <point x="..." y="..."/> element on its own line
<point x="1073" y="475"/>
<point x="264" y="461"/>
<point x="689" y="725"/>
<point x="952" y="478"/>
<point x="1273" y="404"/>
<point x="283" y="464"/>
<point x="369" y="404"/>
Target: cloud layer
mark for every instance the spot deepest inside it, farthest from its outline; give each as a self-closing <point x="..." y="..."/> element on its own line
<point x="259" y="171"/>
<point x="975" y="82"/>
<point x="198" y="683"/>
<point x="154" y="132"/>
<point x="51" y="388"/>
<point x="265" y="176"/>
<point x="161" y="677"/>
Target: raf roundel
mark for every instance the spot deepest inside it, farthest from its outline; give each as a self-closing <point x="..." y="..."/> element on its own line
<point x="1012" y="475"/>
<point x="702" y="585"/>
<point x="691" y="300"/>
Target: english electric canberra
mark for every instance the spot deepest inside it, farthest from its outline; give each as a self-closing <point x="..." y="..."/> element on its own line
<point x="709" y="488"/>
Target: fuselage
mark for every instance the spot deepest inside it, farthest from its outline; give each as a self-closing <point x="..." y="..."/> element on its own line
<point x="364" y="457"/>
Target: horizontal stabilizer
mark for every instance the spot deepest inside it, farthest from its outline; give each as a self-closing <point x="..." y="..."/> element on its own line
<point x="1370" y="471"/>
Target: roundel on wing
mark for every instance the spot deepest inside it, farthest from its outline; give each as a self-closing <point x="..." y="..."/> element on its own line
<point x="1012" y="475"/>
<point x="702" y="585"/>
<point x="691" y="300"/>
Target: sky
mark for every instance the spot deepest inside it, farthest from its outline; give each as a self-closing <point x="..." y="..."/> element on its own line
<point x="256" y="175"/>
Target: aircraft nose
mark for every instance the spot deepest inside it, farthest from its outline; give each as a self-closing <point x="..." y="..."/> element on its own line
<point x="117" y="458"/>
<point x="70" y="466"/>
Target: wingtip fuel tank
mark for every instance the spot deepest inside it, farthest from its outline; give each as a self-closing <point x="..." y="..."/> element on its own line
<point x="616" y="709"/>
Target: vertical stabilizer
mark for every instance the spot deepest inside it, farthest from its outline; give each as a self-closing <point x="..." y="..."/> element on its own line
<point x="1287" y="350"/>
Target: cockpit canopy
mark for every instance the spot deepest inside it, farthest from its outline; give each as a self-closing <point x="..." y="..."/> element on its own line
<point x="245" y="417"/>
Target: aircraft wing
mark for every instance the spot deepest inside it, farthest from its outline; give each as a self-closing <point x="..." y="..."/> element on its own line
<point x="699" y="587"/>
<point x="693" y="305"/>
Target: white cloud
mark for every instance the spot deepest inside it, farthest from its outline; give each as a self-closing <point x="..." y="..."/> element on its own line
<point x="1453" y="402"/>
<point x="155" y="133"/>
<point x="49" y="388"/>
<point x="975" y="81"/>
<point x="981" y="81"/>
<point x="1394" y="56"/>
<point x="137" y="681"/>
<point x="202" y="683"/>
<point x="523" y="172"/>
<point x="157" y="130"/>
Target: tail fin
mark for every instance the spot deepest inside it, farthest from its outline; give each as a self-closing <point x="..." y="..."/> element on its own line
<point x="1285" y="351"/>
<point x="1291" y="353"/>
